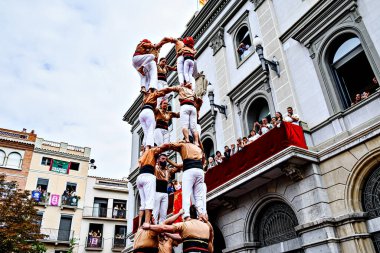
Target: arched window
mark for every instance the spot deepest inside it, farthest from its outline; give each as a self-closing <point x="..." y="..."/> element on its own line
<point x="345" y="56"/>
<point x="208" y="146"/>
<point x="14" y="160"/>
<point x="243" y="42"/>
<point x="2" y="157"/>
<point x="275" y="223"/>
<point x="371" y="195"/>
<point x="258" y="110"/>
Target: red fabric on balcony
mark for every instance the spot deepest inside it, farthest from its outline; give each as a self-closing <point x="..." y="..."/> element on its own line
<point x="266" y="146"/>
<point x="177" y="204"/>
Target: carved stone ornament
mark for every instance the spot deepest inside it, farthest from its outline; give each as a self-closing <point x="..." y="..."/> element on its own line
<point x="200" y="84"/>
<point x="217" y="41"/>
<point x="229" y="202"/>
<point x="293" y="172"/>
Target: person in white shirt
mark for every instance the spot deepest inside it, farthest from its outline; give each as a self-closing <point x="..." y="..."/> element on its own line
<point x="253" y="136"/>
<point x="292" y="117"/>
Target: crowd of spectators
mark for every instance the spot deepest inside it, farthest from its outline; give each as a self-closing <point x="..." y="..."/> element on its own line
<point x="362" y="96"/>
<point x="258" y="130"/>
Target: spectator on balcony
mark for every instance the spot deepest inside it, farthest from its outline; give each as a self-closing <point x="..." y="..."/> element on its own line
<point x="218" y="157"/>
<point x="239" y="144"/>
<point x="264" y="126"/>
<point x="177" y="185"/>
<point x="357" y="99"/>
<point x="279" y="119"/>
<point x="211" y="163"/>
<point x="240" y="50"/>
<point x="292" y="117"/>
<point x="171" y="188"/>
<point x="233" y="149"/>
<point x="253" y="136"/>
<point x="227" y="152"/>
<point x="115" y="210"/>
<point x="244" y="141"/>
<point x="365" y="95"/>
<point x="65" y="196"/>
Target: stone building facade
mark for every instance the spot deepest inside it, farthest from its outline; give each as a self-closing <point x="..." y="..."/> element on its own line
<point x="326" y="198"/>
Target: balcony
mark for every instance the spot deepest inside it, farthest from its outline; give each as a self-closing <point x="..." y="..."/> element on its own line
<point x="103" y="213"/>
<point x="68" y="202"/>
<point x="94" y="243"/>
<point x="57" y="236"/>
<point x="118" y="243"/>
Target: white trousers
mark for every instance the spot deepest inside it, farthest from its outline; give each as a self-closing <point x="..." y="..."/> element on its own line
<point x="180" y="62"/>
<point x="161" y="136"/>
<point x="188" y="70"/>
<point x="148" y="124"/>
<point x="160" y="207"/>
<point x="193" y="183"/>
<point x="199" y="130"/>
<point x="192" y="198"/>
<point x="188" y="117"/>
<point x="150" y="70"/>
<point x="161" y="85"/>
<point x="146" y="183"/>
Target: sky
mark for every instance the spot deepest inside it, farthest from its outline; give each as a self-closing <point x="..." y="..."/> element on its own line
<point x="66" y="69"/>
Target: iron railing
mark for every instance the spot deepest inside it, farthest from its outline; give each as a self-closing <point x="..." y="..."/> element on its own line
<point x="55" y="235"/>
<point x="102" y="212"/>
<point x="94" y="242"/>
<point x="119" y="242"/>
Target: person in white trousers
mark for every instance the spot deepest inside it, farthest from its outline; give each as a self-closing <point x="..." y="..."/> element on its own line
<point x="146" y="182"/>
<point x="188" y="112"/>
<point x="188" y="53"/>
<point x="163" y="174"/>
<point x="179" y="45"/>
<point x="163" y="118"/>
<point x="193" y="175"/>
<point x="143" y="62"/>
<point x="162" y="71"/>
<point x="147" y="117"/>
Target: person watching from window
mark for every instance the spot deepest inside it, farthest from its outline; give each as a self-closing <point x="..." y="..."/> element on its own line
<point x="357" y="99"/>
<point x="239" y="145"/>
<point x="211" y="163"/>
<point x="245" y="141"/>
<point x="365" y="95"/>
<point x="241" y="49"/>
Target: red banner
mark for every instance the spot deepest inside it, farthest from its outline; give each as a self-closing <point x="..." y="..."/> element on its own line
<point x="177" y="205"/>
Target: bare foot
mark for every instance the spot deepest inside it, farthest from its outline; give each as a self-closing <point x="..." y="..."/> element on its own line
<point x="143" y="89"/>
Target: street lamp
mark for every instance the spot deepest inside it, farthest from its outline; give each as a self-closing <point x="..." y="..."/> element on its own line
<point x="221" y="108"/>
<point x="92" y="164"/>
<point x="274" y="64"/>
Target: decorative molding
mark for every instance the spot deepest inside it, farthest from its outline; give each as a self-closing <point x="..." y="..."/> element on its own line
<point x="257" y="3"/>
<point x="229" y="202"/>
<point x="292" y="171"/>
<point x="217" y="41"/>
<point x="238" y="22"/>
<point x="65" y="155"/>
<point x="207" y="122"/>
<point x="311" y="25"/>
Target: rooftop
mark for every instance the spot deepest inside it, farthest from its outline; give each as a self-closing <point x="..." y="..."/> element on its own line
<point x="18" y="136"/>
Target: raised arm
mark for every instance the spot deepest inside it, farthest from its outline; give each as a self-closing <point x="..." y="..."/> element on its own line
<point x="163" y="42"/>
<point x="173" y="218"/>
<point x="175" y="237"/>
<point x="175" y="165"/>
<point x="172" y="68"/>
<point x="159" y="228"/>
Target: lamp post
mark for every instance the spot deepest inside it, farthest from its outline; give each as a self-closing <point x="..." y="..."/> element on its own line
<point x="221" y="108"/>
<point x="273" y="64"/>
<point x="92" y="164"/>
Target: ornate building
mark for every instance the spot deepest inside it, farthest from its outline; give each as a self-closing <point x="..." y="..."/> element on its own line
<point x="312" y="55"/>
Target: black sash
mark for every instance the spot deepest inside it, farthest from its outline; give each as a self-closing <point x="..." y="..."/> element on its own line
<point x="162" y="124"/>
<point x="146" y="250"/>
<point x="147" y="106"/>
<point x="192" y="163"/>
<point x="161" y="186"/>
<point x="147" y="169"/>
<point x="192" y="244"/>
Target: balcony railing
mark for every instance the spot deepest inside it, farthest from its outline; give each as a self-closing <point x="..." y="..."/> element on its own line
<point x="57" y="235"/>
<point x="69" y="201"/>
<point x="102" y="212"/>
<point x="119" y="242"/>
<point x="94" y="242"/>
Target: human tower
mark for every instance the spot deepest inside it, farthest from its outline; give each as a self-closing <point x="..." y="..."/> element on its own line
<point x="195" y="231"/>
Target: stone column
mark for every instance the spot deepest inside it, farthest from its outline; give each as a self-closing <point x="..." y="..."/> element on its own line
<point x="222" y="86"/>
<point x="282" y="89"/>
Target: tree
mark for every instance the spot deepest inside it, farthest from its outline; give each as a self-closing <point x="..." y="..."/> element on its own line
<point x="19" y="222"/>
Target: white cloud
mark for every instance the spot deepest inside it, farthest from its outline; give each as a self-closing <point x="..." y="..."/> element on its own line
<point x="65" y="69"/>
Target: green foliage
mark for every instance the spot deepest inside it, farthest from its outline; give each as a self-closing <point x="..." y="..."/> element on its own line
<point x="19" y="229"/>
<point x="73" y="241"/>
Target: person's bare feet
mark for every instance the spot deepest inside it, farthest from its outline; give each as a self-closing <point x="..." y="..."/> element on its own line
<point x="143" y="89"/>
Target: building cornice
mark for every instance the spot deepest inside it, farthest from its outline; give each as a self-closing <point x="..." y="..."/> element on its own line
<point x="133" y="112"/>
<point x="61" y="154"/>
<point x="316" y="20"/>
<point x="31" y="143"/>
